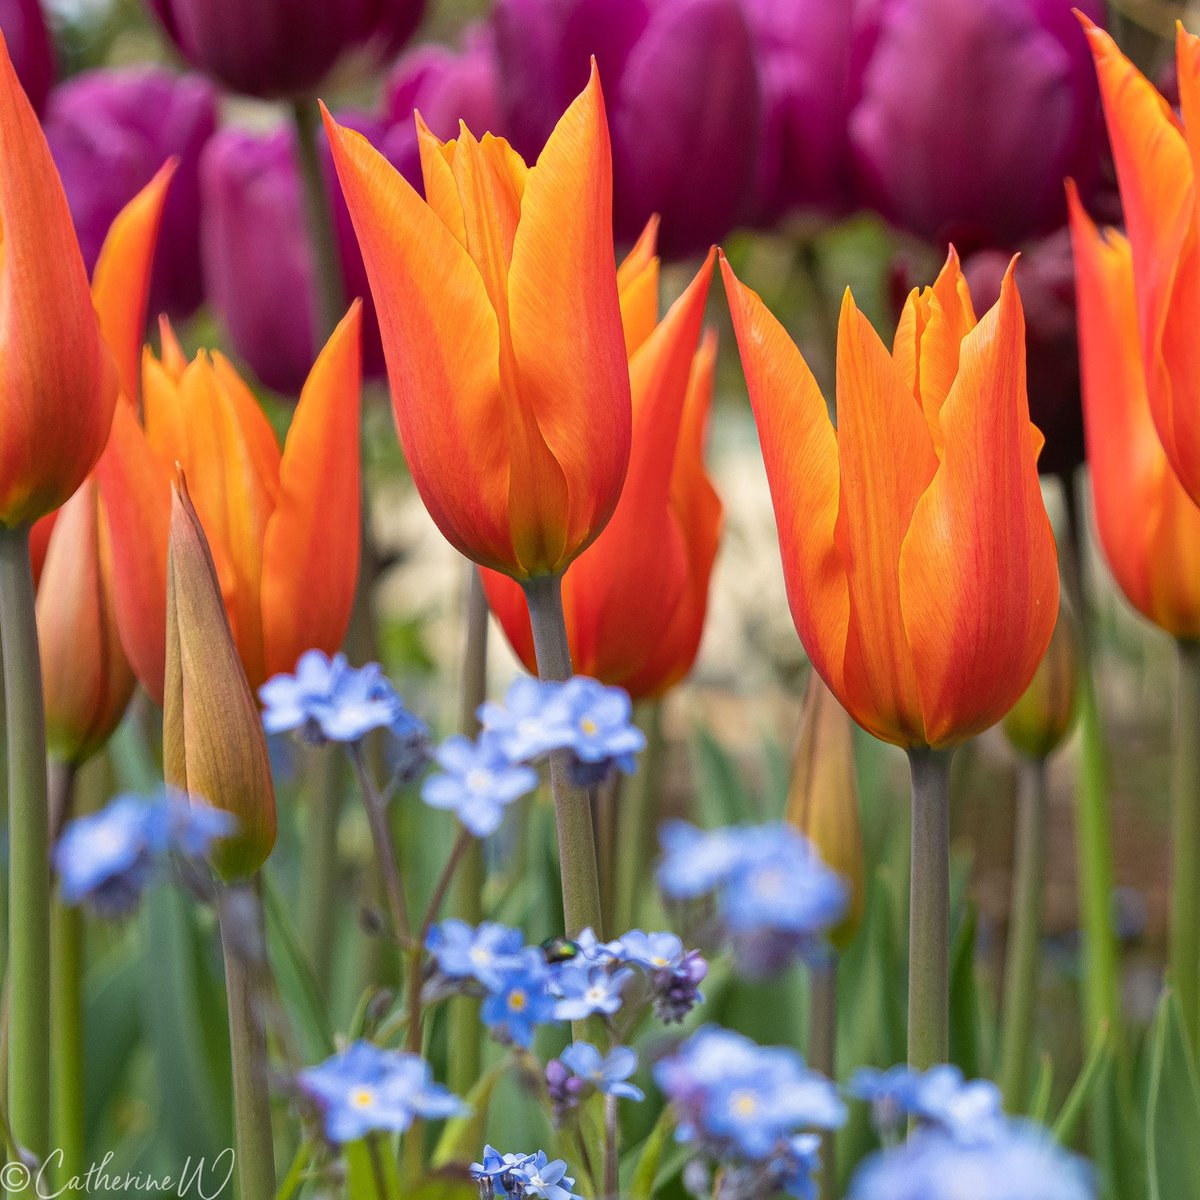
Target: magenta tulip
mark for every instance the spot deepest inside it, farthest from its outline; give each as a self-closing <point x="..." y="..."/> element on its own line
<point x="24" y="27"/>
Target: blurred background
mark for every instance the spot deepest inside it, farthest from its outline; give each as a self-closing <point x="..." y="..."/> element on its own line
<point x="823" y="143"/>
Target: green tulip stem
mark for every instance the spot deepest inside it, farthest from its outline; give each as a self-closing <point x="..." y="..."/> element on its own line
<point x="29" y="851"/>
<point x="322" y="812"/>
<point x="467" y="895"/>
<point x="244" y="947"/>
<point x="330" y="291"/>
<point x="929" y="909"/>
<point x="822" y="1048"/>
<point x="1185" y="840"/>
<point x="1024" y="933"/>
<point x="66" y="999"/>
<point x="572" y="804"/>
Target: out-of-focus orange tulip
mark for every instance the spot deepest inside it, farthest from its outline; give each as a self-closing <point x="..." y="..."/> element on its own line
<point x="1148" y="526"/>
<point x="635" y="599"/>
<point x="214" y="747"/>
<point x="497" y="301"/>
<point x="1157" y="157"/>
<point x="1041" y="718"/>
<point x="86" y="676"/>
<point x="282" y="529"/>
<point x="919" y="559"/>
<point x="57" y="383"/>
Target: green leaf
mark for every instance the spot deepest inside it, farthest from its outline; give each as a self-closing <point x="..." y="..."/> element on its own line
<point x="645" y="1174"/>
<point x="1116" y="1136"/>
<point x="1039" y="1105"/>
<point x="1077" y="1101"/>
<point x="463" y="1137"/>
<point x="722" y="797"/>
<point x="964" y="999"/>
<point x="1173" y="1111"/>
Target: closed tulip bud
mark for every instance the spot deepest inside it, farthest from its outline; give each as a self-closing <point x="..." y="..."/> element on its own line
<point x="919" y="559"/>
<point x="685" y="101"/>
<point x="1156" y="154"/>
<point x="635" y="600"/>
<point x="58" y="387"/>
<point x="497" y="300"/>
<point x="24" y="27"/>
<point x="284" y="48"/>
<point x="1147" y="524"/>
<point x="214" y="747"/>
<point x="1039" y="721"/>
<point x="804" y="52"/>
<point x="970" y="114"/>
<point x="823" y="798"/>
<point x="283" y="529"/>
<point x="110" y="131"/>
<point x="1046" y="276"/>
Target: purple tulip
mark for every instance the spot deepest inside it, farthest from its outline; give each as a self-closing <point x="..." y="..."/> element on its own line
<point x="682" y="90"/>
<point x="970" y="113"/>
<point x="804" y="52"/>
<point x="24" y="27"/>
<point x="110" y="131"/>
<point x="257" y="250"/>
<point x="282" y="48"/>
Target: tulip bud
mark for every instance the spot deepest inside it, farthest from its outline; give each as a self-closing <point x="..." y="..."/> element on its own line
<point x="823" y="797"/>
<point x="1039" y="721"/>
<point x="283" y="48"/>
<point x="24" y="28"/>
<point x="214" y="747"/>
<point x="109" y="132"/>
<point x="85" y="676"/>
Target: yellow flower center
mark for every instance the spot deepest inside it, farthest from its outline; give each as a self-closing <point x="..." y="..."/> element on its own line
<point x="589" y="726"/>
<point x="517" y="1000"/>
<point x="745" y="1104"/>
<point x="362" y="1098"/>
<point x="478" y="780"/>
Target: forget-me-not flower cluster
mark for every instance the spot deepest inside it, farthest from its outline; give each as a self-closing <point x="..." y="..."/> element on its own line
<point x="751" y="1108"/>
<point x="107" y="859"/>
<point x="520" y="1175"/>
<point x="366" y="1089"/>
<point x="774" y="896"/>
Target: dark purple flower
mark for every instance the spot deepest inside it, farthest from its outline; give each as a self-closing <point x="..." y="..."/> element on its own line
<point x="277" y="48"/>
<point x="682" y="91"/>
<point x="1046" y="277"/>
<point x="257" y="250"/>
<point x="804" y="54"/>
<point x="969" y="114"/>
<point x="24" y="27"/>
<point x="110" y="131"/>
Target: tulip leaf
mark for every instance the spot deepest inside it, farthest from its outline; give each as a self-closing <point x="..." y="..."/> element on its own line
<point x="1038" y="1108"/>
<point x="645" y="1174"/>
<point x="1081" y="1093"/>
<point x="463" y="1137"/>
<point x="964" y="998"/>
<point x="721" y="795"/>
<point x="1173" y="1110"/>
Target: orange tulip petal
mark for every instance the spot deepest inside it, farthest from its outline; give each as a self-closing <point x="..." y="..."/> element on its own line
<point x="801" y="453"/>
<point x="978" y="568"/>
<point x="622" y="591"/>
<point x="637" y="287"/>
<point x="137" y="504"/>
<point x="442" y="344"/>
<point x="441" y="190"/>
<point x="121" y="279"/>
<point x="1148" y="526"/>
<point x="58" y="385"/>
<point x="886" y="459"/>
<point x="311" y="549"/>
<point x="565" y="321"/>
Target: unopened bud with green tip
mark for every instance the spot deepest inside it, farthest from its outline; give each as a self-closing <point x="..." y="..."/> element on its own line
<point x="823" y="798"/>
<point x="213" y="741"/>
<point x="1040" y="720"/>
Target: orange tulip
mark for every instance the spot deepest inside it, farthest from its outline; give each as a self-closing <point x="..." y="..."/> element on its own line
<point x="919" y="559"/>
<point x="1148" y="526"/>
<point x="497" y="302"/>
<point x="57" y="383"/>
<point x="86" y="678"/>
<point x="1157" y="155"/>
<point x="282" y="529"/>
<point x="635" y="599"/>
